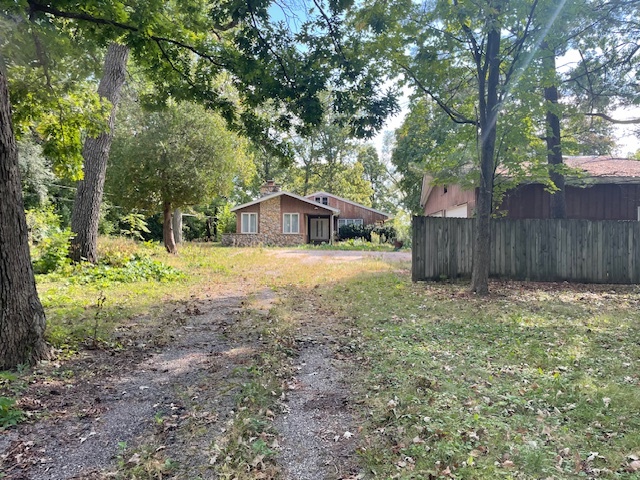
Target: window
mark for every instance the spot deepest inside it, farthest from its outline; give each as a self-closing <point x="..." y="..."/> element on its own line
<point x="249" y="223"/>
<point x="291" y="223"/>
<point x="322" y="200"/>
<point x="349" y="221"/>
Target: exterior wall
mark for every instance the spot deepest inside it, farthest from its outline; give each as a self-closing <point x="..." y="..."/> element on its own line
<point x="270" y="219"/>
<point x="250" y="209"/>
<point x="597" y="202"/>
<point x="348" y="210"/>
<point x="259" y="239"/>
<point x="439" y="200"/>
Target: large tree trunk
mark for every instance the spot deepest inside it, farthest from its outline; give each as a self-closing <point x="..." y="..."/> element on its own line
<point x="86" y="207"/>
<point x="554" y="147"/>
<point x="22" y="320"/>
<point x="167" y="229"/>
<point x="488" y="103"/>
<point x="177" y="226"/>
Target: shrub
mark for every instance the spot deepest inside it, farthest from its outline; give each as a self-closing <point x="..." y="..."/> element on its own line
<point x="383" y="233"/>
<point x="53" y="252"/>
<point x="42" y="223"/>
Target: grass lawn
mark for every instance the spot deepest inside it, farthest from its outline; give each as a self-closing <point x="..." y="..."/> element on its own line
<point x="535" y="381"/>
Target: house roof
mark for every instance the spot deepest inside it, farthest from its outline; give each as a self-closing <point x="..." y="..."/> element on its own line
<point x="351" y="202"/>
<point x="604" y="166"/>
<point x="292" y="195"/>
<point x="598" y="169"/>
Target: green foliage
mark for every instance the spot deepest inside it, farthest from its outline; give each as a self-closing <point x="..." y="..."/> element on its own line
<point x="136" y="268"/>
<point x="10" y="415"/>
<point x="384" y="233"/>
<point x="134" y="226"/>
<point x="402" y="225"/>
<point x="35" y="172"/>
<point x="52" y="253"/>
<point x="42" y="223"/>
<point x="180" y="155"/>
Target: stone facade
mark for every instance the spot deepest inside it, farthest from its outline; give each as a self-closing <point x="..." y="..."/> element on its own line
<point x="269" y="222"/>
<point x="269" y="229"/>
<point x="261" y="239"/>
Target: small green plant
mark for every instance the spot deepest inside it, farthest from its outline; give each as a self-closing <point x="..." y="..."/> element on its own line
<point x="96" y="318"/>
<point x="53" y="252"/>
<point x="10" y="415"/>
<point x="134" y="225"/>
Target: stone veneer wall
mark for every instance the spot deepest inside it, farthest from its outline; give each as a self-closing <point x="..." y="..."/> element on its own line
<point x="269" y="218"/>
<point x="269" y="228"/>
<point x="257" y="239"/>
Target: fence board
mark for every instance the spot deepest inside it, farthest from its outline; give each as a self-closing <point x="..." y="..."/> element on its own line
<point x="531" y="249"/>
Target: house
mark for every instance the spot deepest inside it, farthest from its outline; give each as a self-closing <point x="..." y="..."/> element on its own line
<point x="609" y="189"/>
<point x="284" y="219"/>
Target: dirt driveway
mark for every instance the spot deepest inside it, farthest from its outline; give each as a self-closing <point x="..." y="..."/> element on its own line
<point x="169" y="409"/>
<point x="312" y="256"/>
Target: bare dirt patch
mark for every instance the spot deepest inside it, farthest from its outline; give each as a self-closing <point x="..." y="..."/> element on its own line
<point x="113" y="403"/>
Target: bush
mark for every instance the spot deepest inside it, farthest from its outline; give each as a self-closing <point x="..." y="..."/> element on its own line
<point x="384" y="233"/>
<point x="53" y="252"/>
<point x="42" y="223"/>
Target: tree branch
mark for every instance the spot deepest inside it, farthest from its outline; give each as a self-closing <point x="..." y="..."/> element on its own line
<point x="457" y="117"/>
<point x="38" y="7"/>
<point x="630" y="121"/>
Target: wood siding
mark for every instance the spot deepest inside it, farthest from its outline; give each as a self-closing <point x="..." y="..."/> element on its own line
<point x="532" y="249"/>
<point x="440" y="200"/>
<point x="597" y="202"/>
<point x="351" y="211"/>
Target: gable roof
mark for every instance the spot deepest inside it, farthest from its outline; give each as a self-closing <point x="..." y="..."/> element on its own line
<point x="326" y="194"/>
<point x="292" y="195"/>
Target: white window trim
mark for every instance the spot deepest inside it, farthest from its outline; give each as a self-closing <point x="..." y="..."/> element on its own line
<point x="291" y="223"/>
<point x="350" y="221"/>
<point x="242" y="216"/>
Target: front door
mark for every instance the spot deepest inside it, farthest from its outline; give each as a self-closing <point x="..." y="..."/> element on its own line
<point x="319" y="230"/>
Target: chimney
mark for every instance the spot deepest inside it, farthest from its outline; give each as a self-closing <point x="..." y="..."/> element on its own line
<point x="269" y="187"/>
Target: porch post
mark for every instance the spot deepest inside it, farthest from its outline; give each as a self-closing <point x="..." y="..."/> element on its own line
<point x="331" y="229"/>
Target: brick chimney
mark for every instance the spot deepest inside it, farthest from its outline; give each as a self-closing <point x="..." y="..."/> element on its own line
<point x="269" y="187"/>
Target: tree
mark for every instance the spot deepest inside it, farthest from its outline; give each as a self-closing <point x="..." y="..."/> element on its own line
<point x="183" y="45"/>
<point x="22" y="320"/>
<point x="172" y="158"/>
<point x="375" y="172"/>
<point x="86" y="207"/>
<point x="474" y="60"/>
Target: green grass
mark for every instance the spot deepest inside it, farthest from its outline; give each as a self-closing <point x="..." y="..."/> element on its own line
<point x="536" y="381"/>
<point x="528" y="383"/>
<point x="352" y="244"/>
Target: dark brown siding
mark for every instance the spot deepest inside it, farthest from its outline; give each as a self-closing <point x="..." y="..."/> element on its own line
<point x="348" y="210"/>
<point x="293" y="205"/>
<point x="598" y="202"/>
<point x="440" y="200"/>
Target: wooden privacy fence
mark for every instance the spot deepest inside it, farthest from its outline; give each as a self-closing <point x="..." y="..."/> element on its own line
<point x="535" y="249"/>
